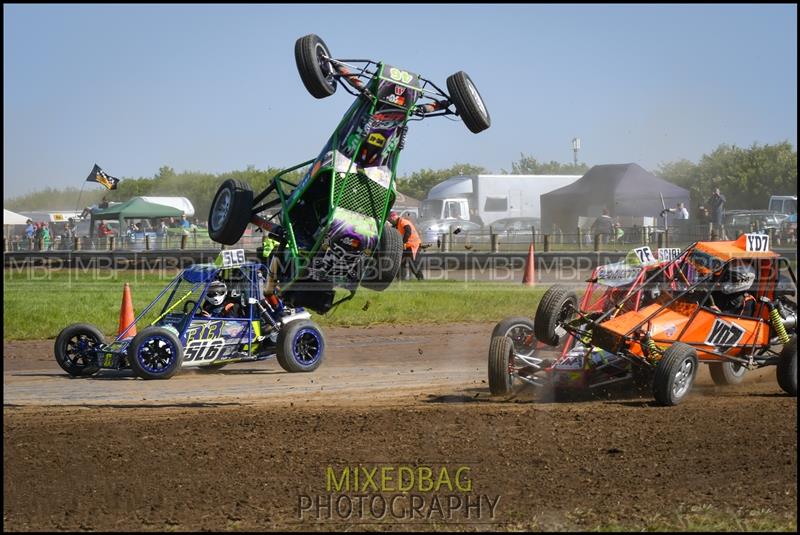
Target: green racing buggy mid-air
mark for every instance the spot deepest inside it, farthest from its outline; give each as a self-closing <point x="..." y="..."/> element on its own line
<point x="330" y="227"/>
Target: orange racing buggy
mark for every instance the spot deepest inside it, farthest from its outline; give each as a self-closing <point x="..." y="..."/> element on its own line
<point x="519" y="350"/>
<point x="730" y="304"/>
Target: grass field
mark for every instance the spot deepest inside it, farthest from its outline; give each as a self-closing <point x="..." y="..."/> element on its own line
<point x="38" y="304"/>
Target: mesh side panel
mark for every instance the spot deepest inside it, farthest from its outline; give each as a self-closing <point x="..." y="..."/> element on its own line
<point x="361" y="194"/>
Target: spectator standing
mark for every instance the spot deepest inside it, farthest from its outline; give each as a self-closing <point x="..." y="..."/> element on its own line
<point x="411" y="243"/>
<point x="69" y="234"/>
<point x="603" y="226"/>
<point x="30" y="233"/>
<point x="185" y="225"/>
<point x="716" y="203"/>
<point x="45" y="236"/>
<point x="680" y="211"/>
<point x="103" y="204"/>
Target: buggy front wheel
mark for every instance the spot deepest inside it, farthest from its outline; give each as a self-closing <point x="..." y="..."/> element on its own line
<point x="468" y="102"/>
<point x="675" y="374"/>
<point x="316" y="72"/>
<point x="558" y="305"/>
<point x="301" y="346"/>
<point x="501" y="361"/>
<point x="230" y="212"/>
<point x="155" y="353"/>
<point x="520" y="331"/>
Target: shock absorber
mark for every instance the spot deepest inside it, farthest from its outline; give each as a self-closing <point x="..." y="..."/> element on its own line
<point x="652" y="348"/>
<point x="776" y="320"/>
<point x="402" y="143"/>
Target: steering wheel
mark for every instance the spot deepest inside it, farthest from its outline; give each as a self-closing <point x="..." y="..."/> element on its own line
<point x="187" y="308"/>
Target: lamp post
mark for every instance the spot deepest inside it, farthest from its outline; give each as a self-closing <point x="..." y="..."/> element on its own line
<point x="576" y="146"/>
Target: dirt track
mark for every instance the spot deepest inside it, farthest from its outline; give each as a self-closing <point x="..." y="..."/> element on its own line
<point x="239" y="448"/>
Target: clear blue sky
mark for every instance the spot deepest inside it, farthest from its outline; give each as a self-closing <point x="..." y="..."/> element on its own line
<point x="215" y="88"/>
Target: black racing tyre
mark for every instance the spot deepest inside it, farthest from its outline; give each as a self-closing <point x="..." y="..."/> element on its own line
<point x="556" y="306"/>
<point x="726" y="373"/>
<point x="382" y="268"/>
<point x="520" y="331"/>
<point x="787" y="367"/>
<point x="501" y="351"/>
<point x="316" y="73"/>
<point x="230" y="211"/>
<point x="468" y="102"/>
<point x="75" y="349"/>
<point x="301" y="346"/>
<point x="675" y="374"/>
<point x="155" y="353"/>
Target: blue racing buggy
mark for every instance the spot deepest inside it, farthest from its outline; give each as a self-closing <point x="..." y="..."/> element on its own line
<point x="331" y="226"/>
<point x="209" y="316"/>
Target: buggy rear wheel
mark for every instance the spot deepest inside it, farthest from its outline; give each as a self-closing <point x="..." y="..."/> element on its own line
<point x="468" y="102"/>
<point x="727" y="373"/>
<point x="155" y="353"/>
<point x="382" y="268"/>
<point x="557" y="306"/>
<point x="675" y="374"/>
<point x="501" y="355"/>
<point x="315" y="71"/>
<point x="230" y="212"/>
<point x="787" y="367"/>
<point x="75" y="349"/>
<point x="301" y="346"/>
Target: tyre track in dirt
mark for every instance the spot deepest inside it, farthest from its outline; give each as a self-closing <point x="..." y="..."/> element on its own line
<point x="235" y="449"/>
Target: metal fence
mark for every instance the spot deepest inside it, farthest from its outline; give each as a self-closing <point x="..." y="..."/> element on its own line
<point x="483" y="240"/>
<point x="167" y="242"/>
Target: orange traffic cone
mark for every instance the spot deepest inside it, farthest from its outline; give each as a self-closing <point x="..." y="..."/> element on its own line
<point x="126" y="316"/>
<point x="529" y="278"/>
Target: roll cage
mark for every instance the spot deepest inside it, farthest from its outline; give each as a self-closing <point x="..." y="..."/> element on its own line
<point x="672" y="277"/>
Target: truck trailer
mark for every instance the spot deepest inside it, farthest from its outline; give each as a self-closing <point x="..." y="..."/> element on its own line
<point x="486" y="198"/>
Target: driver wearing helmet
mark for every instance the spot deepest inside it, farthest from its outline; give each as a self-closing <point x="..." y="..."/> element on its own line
<point x="218" y="304"/>
<point x="732" y="292"/>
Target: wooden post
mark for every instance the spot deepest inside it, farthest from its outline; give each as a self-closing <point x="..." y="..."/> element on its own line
<point x="660" y="240"/>
<point x="111" y="243"/>
<point x="184" y="240"/>
<point x="494" y="240"/>
<point x="76" y="243"/>
<point x="546" y="246"/>
<point x="597" y="242"/>
<point x="146" y="242"/>
<point x="580" y="239"/>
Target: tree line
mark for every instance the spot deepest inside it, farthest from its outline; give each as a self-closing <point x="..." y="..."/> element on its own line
<point x="747" y="177"/>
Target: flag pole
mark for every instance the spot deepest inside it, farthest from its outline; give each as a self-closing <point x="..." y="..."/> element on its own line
<point x="77" y="204"/>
